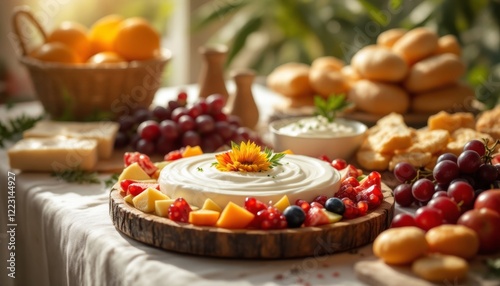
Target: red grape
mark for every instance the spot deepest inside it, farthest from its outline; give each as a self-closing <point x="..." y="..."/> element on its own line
<point x="462" y="193"/>
<point x="205" y="123"/>
<point x="169" y="129"/>
<point x="161" y="113"/>
<point x="427" y="217"/>
<point x="440" y="194"/>
<point x="145" y="147"/>
<point x="475" y="145"/>
<point x="223" y="129"/>
<point x="469" y="161"/>
<point x="423" y="189"/>
<point x="403" y="195"/>
<point x="403" y="219"/>
<point x="211" y="142"/>
<point x="178" y="112"/>
<point x="216" y="103"/>
<point x="141" y="115"/>
<point x="445" y="172"/>
<point x="165" y="145"/>
<point x="447" y="156"/>
<point x="404" y="172"/>
<point x="121" y="140"/>
<point x="191" y="138"/>
<point x="486" y="174"/>
<point x="149" y="130"/>
<point x="186" y="123"/>
<point x="195" y="111"/>
<point x="126" y="122"/>
<point x="448" y="207"/>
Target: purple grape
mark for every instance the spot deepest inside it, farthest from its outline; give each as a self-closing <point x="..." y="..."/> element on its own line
<point x="445" y="172"/>
<point x="404" y="172"/>
<point x="126" y="123"/>
<point x="186" y="123"/>
<point x="191" y="138"/>
<point x="145" y="147"/>
<point x="205" y="123"/>
<point x="169" y="129"/>
<point x="469" y="161"/>
<point x="447" y="156"/>
<point x="475" y="145"/>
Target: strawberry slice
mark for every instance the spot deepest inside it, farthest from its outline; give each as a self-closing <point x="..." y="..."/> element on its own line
<point x="136" y="188"/>
<point x="320" y="216"/>
<point x="372" y="195"/>
<point x="350" y="171"/>
<point x="143" y="160"/>
<point x="374" y="178"/>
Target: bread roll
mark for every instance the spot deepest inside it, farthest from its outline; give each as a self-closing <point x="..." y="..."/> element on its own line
<point x="350" y="75"/>
<point x="448" y="44"/>
<point x="441" y="268"/>
<point x="416" y="45"/>
<point x="327" y="63"/>
<point x="401" y="245"/>
<point x="380" y="64"/>
<point x="379" y="98"/>
<point x="450" y="98"/>
<point x="291" y="80"/>
<point x="326" y="83"/>
<point x="434" y="72"/>
<point x="453" y="239"/>
<point x="389" y="37"/>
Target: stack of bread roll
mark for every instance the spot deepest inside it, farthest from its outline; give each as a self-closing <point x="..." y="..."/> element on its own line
<point x="405" y="71"/>
<point x="300" y="82"/>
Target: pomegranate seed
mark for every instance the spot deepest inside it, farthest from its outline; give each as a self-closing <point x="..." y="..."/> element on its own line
<point x="303" y="204"/>
<point x="321" y="199"/>
<point x="179" y="210"/>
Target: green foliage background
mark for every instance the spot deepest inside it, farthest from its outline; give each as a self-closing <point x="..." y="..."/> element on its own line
<point x="302" y="30"/>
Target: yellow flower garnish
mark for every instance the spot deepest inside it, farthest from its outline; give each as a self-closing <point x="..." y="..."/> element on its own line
<point x="247" y="157"/>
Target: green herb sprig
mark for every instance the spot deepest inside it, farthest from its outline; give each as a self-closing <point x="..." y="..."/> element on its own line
<point x="330" y="106"/>
<point x="111" y="181"/>
<point x="16" y="126"/>
<point x="77" y="176"/>
<point x="273" y="158"/>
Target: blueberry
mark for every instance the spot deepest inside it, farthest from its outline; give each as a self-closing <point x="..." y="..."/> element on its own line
<point x="335" y="205"/>
<point x="295" y="216"/>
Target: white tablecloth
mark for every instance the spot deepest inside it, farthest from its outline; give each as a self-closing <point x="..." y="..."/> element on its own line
<point x="64" y="236"/>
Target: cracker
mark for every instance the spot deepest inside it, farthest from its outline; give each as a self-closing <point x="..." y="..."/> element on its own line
<point x="461" y="136"/>
<point x="432" y="141"/>
<point x="388" y="140"/>
<point x="371" y="160"/>
<point x="417" y="159"/>
<point x="489" y="122"/>
<point x="451" y="122"/>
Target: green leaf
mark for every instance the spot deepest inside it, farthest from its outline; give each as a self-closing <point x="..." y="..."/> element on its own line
<point x="216" y="11"/>
<point x="329" y="107"/>
<point x="241" y="37"/>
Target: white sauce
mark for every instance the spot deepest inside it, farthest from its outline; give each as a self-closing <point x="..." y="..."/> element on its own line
<point x="195" y="179"/>
<point x="317" y="126"/>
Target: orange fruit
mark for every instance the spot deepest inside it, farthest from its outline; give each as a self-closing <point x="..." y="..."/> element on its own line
<point x="103" y="32"/>
<point x="55" y="52"/>
<point x="136" y="40"/>
<point x="105" y="57"/>
<point x="73" y="35"/>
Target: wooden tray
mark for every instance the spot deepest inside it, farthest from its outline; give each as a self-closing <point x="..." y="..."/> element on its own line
<point x="217" y="242"/>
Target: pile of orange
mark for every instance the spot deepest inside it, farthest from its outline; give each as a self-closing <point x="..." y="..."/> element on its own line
<point x="111" y="39"/>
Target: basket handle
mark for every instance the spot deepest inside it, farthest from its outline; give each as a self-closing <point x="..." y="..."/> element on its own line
<point x="25" y="11"/>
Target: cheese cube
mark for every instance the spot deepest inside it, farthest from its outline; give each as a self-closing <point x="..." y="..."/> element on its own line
<point x="162" y="206"/>
<point x="145" y="201"/>
<point x="53" y="154"/>
<point x="104" y="132"/>
<point x="133" y="172"/>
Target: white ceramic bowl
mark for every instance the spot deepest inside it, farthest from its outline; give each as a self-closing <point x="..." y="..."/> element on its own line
<point x="335" y="146"/>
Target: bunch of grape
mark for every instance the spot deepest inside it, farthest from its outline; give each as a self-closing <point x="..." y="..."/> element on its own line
<point x="450" y="188"/>
<point x="164" y="129"/>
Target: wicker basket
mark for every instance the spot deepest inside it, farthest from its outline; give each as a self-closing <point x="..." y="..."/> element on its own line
<point x="84" y="91"/>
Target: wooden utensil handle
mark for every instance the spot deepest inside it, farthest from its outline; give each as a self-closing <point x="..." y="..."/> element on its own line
<point x="18" y="13"/>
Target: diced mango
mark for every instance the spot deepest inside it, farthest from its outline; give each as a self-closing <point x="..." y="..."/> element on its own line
<point x="145" y="201"/>
<point x="192" y="151"/>
<point x="209" y="204"/>
<point x="162" y="206"/>
<point x="204" y="217"/>
<point x="133" y="172"/>
<point x="128" y="199"/>
<point x="282" y="204"/>
<point x="233" y="216"/>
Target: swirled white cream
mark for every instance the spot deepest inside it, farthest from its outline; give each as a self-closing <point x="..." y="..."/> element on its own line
<point x="317" y="126"/>
<point x="299" y="177"/>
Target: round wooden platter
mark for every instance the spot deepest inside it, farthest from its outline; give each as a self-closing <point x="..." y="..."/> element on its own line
<point x="256" y="244"/>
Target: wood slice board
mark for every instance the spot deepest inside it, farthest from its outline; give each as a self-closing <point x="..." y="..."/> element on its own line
<point x="376" y="272"/>
<point x="275" y="244"/>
